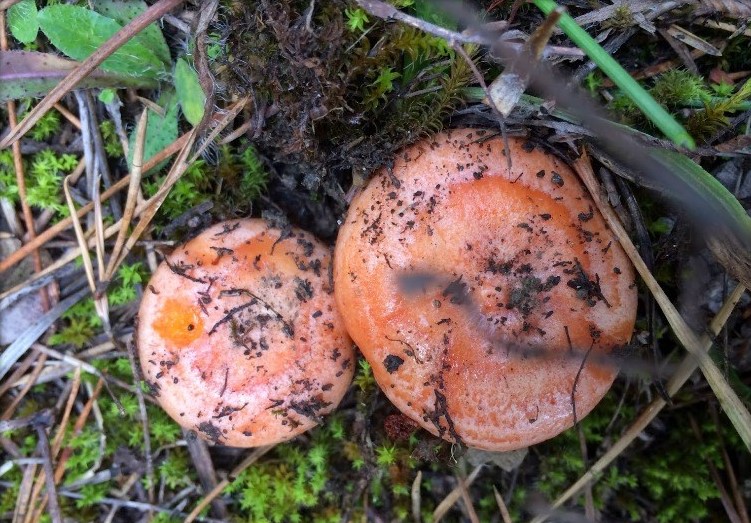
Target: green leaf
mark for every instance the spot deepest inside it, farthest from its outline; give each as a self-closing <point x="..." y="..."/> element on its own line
<point x="78" y="32"/>
<point x="189" y="92"/>
<point x="107" y="96"/>
<point x="27" y="74"/>
<point x="22" y="21"/>
<point x="160" y="130"/>
<point x="123" y="11"/>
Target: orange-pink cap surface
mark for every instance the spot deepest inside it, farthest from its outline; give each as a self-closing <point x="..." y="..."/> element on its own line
<point x="478" y="293"/>
<point x="239" y="336"/>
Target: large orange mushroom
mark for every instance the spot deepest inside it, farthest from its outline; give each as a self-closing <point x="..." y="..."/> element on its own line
<point x="486" y="299"/>
<point x="239" y="335"/>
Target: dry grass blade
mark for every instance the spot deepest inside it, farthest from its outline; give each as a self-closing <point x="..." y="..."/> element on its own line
<point x="416" y="499"/>
<point x="101" y="303"/>
<point x="65" y="223"/>
<point x="467" y="500"/>
<point x="150" y="15"/>
<point x="63" y="425"/>
<point x="502" y="506"/>
<point x="80" y="236"/>
<point x="72" y="118"/>
<point x="38" y="367"/>
<point x="133" y="186"/>
<point x="153" y="204"/>
<point x="16" y="376"/>
<point x="728" y="398"/>
<point x="244" y="464"/>
<point x="689" y="38"/>
<point x="453" y="496"/>
<point x="23" y="504"/>
<point x="684" y="371"/>
<point x="44" y="446"/>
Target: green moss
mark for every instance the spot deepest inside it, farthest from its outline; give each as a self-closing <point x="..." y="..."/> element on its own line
<point x="290" y="484"/>
<point x="662" y="476"/>
<point x="677" y="88"/>
<point x="112" y="145"/>
<point x="46" y="126"/>
<point x="350" y="90"/>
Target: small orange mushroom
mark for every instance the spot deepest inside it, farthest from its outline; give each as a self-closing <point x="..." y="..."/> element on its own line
<point x="239" y="336"/>
<point x="486" y="299"/>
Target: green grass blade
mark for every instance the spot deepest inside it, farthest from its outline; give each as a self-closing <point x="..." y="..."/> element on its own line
<point x="648" y="105"/>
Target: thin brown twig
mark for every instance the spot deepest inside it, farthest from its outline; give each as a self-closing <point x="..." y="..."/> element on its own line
<point x="72" y="118"/>
<point x="153" y="13"/>
<point x="23" y="499"/>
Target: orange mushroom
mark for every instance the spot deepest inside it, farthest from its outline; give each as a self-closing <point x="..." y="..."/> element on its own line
<point x="486" y="299"/>
<point x="239" y="336"/>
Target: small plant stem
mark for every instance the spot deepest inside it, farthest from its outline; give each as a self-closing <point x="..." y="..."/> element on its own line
<point x="648" y="105"/>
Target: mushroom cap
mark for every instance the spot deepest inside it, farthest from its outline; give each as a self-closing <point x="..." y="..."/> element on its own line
<point x="485" y="298"/>
<point x="239" y="336"/>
